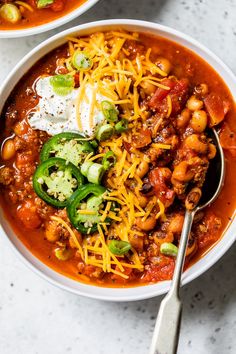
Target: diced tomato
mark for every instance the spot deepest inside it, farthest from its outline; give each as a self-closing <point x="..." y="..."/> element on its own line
<point x="127" y="146"/>
<point x="228" y="139"/>
<point x="178" y="94"/>
<point x="142" y="138"/>
<point x="58" y="5"/>
<point x="28" y="215"/>
<point x="159" y="178"/>
<point x="216" y="108"/>
<point x="161" y="93"/>
<point x="76" y="78"/>
<point x="162" y="271"/>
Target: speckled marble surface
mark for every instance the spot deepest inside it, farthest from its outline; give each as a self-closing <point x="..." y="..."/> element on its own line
<point x="37" y="318"/>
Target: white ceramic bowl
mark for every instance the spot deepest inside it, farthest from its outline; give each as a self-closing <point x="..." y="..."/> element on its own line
<point x="116" y="294"/>
<point x="49" y="25"/>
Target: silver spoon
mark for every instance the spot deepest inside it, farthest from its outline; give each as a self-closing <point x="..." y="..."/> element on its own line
<point x="166" y="333"/>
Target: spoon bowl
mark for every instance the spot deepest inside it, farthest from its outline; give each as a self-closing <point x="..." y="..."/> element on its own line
<point x="215" y="175"/>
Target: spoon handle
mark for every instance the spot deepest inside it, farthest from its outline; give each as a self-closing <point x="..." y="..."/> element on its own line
<point x="166" y="333"/>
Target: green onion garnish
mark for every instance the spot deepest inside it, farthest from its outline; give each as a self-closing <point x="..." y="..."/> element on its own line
<point x="81" y="61"/>
<point x="85" y="167"/>
<point x="104" y="132"/>
<point x="95" y="173"/>
<point x="169" y="249"/>
<point x="109" y="111"/>
<point x="62" y="84"/>
<point x="109" y="160"/>
<point x="43" y="3"/>
<point x="119" y="247"/>
<point x="121" y="126"/>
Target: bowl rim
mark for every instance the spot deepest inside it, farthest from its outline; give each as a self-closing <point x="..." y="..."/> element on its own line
<point x="107" y="293"/>
<point x="24" y="32"/>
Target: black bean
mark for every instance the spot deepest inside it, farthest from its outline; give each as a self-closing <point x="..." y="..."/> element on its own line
<point x="146" y="188"/>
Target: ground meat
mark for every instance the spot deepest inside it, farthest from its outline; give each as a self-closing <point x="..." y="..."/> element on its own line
<point x="137" y="242"/>
<point x="153" y="154"/>
<point x="90" y="270"/>
<point x="6" y="176"/>
<point x="19" y="192"/>
<point x="134" y="47"/>
<point x="25" y="162"/>
<point x="43" y="208"/>
<point x="42" y="137"/>
<point x="13" y="197"/>
<point x="165" y="135"/>
<point x="159" y="178"/>
<point x="12" y="117"/>
<point x="55" y="232"/>
<point x="207" y="230"/>
<point x="200" y="173"/>
<point x="63" y="215"/>
<point x="19" y="143"/>
<point x="180" y="189"/>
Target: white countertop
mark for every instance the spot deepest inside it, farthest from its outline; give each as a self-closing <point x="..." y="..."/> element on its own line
<point x="37" y="318"/>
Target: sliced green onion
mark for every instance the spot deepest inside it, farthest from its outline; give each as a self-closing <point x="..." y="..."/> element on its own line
<point x="109" y="160"/>
<point x="169" y="249"/>
<point x="43" y="3"/>
<point x="110" y="111"/>
<point x="10" y="13"/>
<point x="85" y="167"/>
<point x="121" y="126"/>
<point x="62" y="84"/>
<point x="81" y="61"/>
<point x="95" y="173"/>
<point x="104" y="132"/>
<point x="119" y="247"/>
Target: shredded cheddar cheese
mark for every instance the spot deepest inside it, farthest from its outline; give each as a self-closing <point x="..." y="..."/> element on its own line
<point x="106" y="211"/>
<point x="25" y="5"/>
<point x="71" y="232"/>
<point x="95" y="157"/>
<point x="169" y="102"/>
<point x="161" y="146"/>
<point x="161" y="213"/>
<point x="113" y="75"/>
<point x="121" y="77"/>
<point x="86" y="212"/>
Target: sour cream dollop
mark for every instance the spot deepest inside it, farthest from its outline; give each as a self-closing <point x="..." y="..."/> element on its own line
<point x="55" y="114"/>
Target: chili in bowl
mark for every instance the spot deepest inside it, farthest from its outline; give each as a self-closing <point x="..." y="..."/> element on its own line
<point x="27" y="17"/>
<point x="105" y="139"/>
